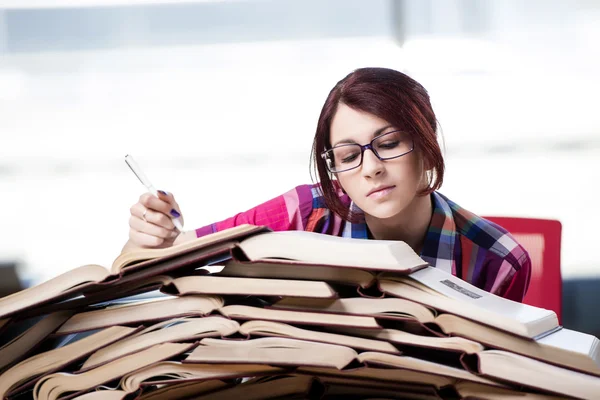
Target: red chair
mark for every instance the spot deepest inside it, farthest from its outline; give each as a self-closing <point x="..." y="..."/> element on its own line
<point x="541" y="238"/>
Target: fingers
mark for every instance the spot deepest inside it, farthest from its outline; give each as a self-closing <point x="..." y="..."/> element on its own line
<point x="164" y="204"/>
<point x="144" y="215"/>
<point x="169" y="198"/>
<point x="164" y="229"/>
<point x="142" y="239"/>
<point x="151" y="223"/>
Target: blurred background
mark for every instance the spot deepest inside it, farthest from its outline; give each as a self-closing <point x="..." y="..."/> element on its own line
<point x="218" y="103"/>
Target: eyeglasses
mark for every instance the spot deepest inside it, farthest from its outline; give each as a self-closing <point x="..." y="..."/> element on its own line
<point x="390" y="145"/>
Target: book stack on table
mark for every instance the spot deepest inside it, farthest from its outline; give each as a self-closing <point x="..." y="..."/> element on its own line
<point x="252" y="314"/>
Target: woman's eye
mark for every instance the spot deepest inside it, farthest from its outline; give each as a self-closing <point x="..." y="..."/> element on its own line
<point x="349" y="158"/>
<point x="389" y="145"/>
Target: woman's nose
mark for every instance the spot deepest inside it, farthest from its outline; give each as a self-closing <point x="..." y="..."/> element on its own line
<point x="371" y="164"/>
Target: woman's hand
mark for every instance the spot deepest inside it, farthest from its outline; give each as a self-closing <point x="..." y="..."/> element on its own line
<point x="150" y="224"/>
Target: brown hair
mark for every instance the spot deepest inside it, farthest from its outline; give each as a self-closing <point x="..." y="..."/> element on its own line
<point x="393" y="97"/>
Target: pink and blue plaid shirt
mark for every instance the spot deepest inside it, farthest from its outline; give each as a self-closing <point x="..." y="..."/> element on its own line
<point x="457" y="241"/>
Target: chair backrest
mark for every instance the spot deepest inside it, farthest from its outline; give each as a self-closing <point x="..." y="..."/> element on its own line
<point x="541" y="238"/>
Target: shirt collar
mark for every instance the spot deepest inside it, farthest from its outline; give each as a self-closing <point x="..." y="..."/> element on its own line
<point x="440" y="239"/>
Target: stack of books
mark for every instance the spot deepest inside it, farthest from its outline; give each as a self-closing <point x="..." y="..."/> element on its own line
<point x="252" y="314"/>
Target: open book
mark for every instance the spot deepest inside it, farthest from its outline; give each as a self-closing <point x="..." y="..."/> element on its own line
<point x="277" y="387"/>
<point x="381" y="374"/>
<point x="348" y="276"/>
<point x="52" y="386"/>
<point x="291" y="386"/>
<point x="108" y="394"/>
<point x="14" y="378"/>
<point x="141" y="311"/>
<point x="384" y="308"/>
<point x="245" y="243"/>
<point x="172" y="372"/>
<point x="172" y="330"/>
<point x="243" y="312"/>
<point x="564" y="347"/>
<point x="142" y="263"/>
<point x="396" y="309"/>
<point x="278" y="329"/>
<point x="18" y="347"/>
<point x="442" y="291"/>
<point x="470" y="390"/>
<point x="282" y="351"/>
<point x="310" y="248"/>
<point x="337" y="387"/>
<point x="184" y="389"/>
<point x="225" y="285"/>
<point x="167" y="308"/>
<point x="456" y="344"/>
<point x="272" y="351"/>
<point x="567" y="348"/>
<point x="401" y="273"/>
<point x="516" y="369"/>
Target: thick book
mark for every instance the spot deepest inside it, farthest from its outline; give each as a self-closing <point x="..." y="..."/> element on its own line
<point x="332" y="274"/>
<point x="21" y="345"/>
<point x="225" y="285"/>
<point x="282" y="351"/>
<point x="384" y="308"/>
<point x="278" y="329"/>
<point x="255" y="244"/>
<point x="444" y="292"/>
<point x="276" y="351"/>
<point x="523" y="371"/>
<point x="376" y="374"/>
<point x="476" y="391"/>
<point x="244" y="313"/>
<point x="184" y="389"/>
<point x="310" y="248"/>
<point x="341" y="388"/>
<point x="172" y="330"/>
<point x="419" y="365"/>
<point x="198" y="306"/>
<point x="141" y="311"/>
<point x="279" y="387"/>
<point x="393" y="309"/>
<point x="396" y="336"/>
<point x="564" y="347"/>
<point x="310" y="387"/>
<point x="169" y="373"/>
<point x="138" y="264"/>
<point x="243" y="243"/>
<point x="53" y="386"/>
<point x="104" y="394"/>
<point x="13" y="380"/>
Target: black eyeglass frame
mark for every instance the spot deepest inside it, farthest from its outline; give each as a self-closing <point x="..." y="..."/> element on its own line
<point x="329" y="153"/>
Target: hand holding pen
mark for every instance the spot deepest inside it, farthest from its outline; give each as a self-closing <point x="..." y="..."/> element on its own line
<point x="155" y="219"/>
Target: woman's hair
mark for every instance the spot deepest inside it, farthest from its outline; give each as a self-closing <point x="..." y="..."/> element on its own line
<point x="393" y="97"/>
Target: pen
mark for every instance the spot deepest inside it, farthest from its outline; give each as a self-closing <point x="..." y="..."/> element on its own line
<point x="142" y="177"/>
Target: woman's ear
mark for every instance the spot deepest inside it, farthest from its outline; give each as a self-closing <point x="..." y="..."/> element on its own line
<point x="425" y="172"/>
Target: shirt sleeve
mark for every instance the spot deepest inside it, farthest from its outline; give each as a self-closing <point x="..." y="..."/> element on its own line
<point x="513" y="286"/>
<point x="289" y="211"/>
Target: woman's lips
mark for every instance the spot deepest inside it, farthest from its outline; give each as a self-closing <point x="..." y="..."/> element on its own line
<point x="378" y="193"/>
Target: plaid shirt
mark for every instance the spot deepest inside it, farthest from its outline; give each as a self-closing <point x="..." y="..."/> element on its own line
<point x="457" y="241"/>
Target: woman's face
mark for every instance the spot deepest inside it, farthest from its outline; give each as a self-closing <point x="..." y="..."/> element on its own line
<point x="382" y="189"/>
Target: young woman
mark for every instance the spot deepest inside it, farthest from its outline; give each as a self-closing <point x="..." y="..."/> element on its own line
<point x="379" y="164"/>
